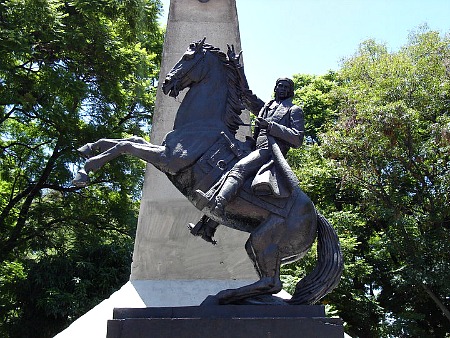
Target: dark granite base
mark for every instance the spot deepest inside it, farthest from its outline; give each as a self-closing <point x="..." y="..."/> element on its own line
<point x="234" y="321"/>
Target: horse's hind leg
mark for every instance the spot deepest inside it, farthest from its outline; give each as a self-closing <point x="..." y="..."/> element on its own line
<point x="106" y="143"/>
<point x="262" y="248"/>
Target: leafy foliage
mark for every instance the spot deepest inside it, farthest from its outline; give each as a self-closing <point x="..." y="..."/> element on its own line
<point x="70" y="73"/>
<point x="381" y="174"/>
<point x="312" y="93"/>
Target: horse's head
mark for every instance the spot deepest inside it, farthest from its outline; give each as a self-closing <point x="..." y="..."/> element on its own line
<point x="186" y="70"/>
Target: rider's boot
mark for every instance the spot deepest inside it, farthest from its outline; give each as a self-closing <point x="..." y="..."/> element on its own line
<point x="226" y="193"/>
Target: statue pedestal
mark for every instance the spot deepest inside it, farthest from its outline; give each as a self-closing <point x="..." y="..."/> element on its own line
<point x="225" y="321"/>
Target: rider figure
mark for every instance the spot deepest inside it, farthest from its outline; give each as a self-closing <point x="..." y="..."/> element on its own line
<point x="278" y="118"/>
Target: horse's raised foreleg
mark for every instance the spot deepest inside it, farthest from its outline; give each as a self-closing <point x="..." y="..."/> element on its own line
<point x="147" y="152"/>
<point x="106" y="143"/>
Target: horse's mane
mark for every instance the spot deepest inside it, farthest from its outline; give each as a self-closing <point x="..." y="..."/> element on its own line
<point x="234" y="104"/>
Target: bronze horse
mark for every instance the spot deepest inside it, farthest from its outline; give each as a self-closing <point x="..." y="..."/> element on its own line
<point x="196" y="156"/>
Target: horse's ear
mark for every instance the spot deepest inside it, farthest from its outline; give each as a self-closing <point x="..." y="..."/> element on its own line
<point x="200" y="44"/>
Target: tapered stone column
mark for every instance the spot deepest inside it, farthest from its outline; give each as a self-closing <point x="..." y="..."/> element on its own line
<point x="170" y="266"/>
<point x="168" y="261"/>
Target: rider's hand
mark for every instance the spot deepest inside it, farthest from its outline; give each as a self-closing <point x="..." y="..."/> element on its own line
<point x="231" y="53"/>
<point x="262" y="123"/>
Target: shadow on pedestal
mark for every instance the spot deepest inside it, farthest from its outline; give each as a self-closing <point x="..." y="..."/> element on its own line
<point x="249" y="321"/>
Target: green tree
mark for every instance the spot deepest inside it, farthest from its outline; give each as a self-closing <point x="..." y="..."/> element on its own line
<point x="70" y="73"/>
<point x="378" y="168"/>
<point x="391" y="146"/>
<point x="313" y="94"/>
<point x="321" y="180"/>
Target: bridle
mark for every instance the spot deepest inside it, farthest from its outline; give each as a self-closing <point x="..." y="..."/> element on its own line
<point x="182" y="74"/>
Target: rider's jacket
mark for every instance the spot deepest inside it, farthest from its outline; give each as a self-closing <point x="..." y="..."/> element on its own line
<point x="286" y="125"/>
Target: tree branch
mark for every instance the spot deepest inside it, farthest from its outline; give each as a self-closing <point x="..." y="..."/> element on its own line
<point x="60" y="188"/>
<point x="8" y="114"/>
<point x="436" y="300"/>
<point x="32" y="193"/>
<point x="12" y="202"/>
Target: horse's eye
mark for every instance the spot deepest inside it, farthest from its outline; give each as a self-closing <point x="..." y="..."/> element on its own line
<point x="188" y="56"/>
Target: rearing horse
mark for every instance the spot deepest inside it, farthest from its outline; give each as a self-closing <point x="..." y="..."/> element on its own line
<point x="197" y="155"/>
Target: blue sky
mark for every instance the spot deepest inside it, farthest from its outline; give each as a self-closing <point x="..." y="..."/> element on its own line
<point x="286" y="37"/>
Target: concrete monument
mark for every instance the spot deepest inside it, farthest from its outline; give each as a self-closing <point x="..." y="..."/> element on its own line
<point x="243" y="184"/>
<point x="165" y="254"/>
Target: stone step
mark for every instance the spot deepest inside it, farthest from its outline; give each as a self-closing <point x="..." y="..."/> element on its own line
<point x="233" y="321"/>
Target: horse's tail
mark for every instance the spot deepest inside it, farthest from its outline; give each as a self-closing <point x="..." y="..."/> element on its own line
<point x="327" y="273"/>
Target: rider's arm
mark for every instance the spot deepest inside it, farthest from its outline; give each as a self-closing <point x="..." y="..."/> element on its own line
<point x="292" y="133"/>
<point x="252" y="102"/>
<point x="249" y="99"/>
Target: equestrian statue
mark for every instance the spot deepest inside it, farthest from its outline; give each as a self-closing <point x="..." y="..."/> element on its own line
<point x="245" y="185"/>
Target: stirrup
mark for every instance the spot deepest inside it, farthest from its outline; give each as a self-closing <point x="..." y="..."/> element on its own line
<point x="204" y="199"/>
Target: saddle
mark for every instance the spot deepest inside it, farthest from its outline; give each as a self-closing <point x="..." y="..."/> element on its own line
<point x="269" y="182"/>
<point x="269" y="189"/>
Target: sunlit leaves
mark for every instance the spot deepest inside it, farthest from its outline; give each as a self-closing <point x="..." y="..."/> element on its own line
<point x="312" y="93"/>
<point x="381" y="174"/>
<point x="391" y="139"/>
<point x="71" y="72"/>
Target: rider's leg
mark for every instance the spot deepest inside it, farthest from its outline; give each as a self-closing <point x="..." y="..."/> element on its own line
<point x="228" y="191"/>
<point x="243" y="169"/>
<point x="206" y="228"/>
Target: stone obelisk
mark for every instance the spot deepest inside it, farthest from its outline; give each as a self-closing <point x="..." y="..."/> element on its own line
<point x="170" y="266"/>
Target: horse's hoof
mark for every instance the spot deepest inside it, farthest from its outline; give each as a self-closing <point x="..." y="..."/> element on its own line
<point x="226" y="296"/>
<point x="210" y="300"/>
<point x="81" y="180"/>
<point x="86" y="150"/>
